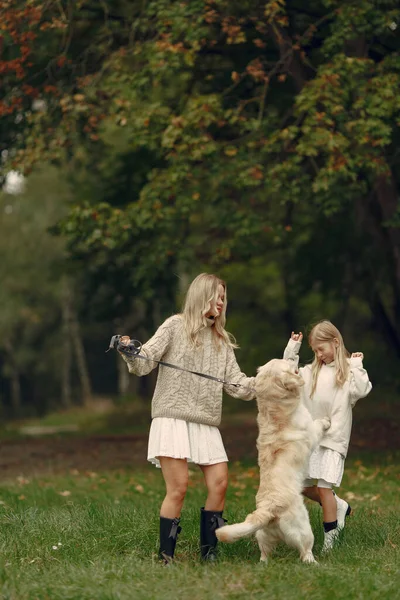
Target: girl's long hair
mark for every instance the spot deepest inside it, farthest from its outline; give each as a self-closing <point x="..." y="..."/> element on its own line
<point x="202" y="291"/>
<point x="325" y="331"/>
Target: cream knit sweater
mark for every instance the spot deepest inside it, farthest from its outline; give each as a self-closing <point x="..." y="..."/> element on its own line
<point x="181" y="395"/>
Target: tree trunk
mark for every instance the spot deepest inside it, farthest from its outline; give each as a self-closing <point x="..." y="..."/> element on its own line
<point x="15" y="379"/>
<point x="66" y="396"/>
<point x="387" y="198"/>
<point x="132" y="326"/>
<point x="15" y="391"/>
<point x="124" y="378"/>
<point x="80" y="355"/>
<point x="384" y="323"/>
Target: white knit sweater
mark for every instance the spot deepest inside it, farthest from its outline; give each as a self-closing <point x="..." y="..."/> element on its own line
<point x="332" y="401"/>
<point x="181" y="395"/>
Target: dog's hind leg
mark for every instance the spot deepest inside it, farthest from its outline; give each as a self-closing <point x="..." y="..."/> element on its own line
<point x="267" y="541"/>
<point x="296" y="531"/>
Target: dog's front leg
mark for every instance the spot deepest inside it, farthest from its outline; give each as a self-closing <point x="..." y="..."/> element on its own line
<point x="317" y="430"/>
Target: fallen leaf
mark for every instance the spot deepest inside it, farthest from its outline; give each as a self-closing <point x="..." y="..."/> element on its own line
<point x="375" y="497"/>
<point x="22" y="480"/>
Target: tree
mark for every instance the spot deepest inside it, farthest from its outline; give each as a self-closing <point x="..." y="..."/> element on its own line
<point x="32" y="296"/>
<point x="260" y="123"/>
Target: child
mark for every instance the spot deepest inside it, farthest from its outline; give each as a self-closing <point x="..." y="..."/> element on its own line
<point x="333" y="384"/>
<point x="186" y="409"/>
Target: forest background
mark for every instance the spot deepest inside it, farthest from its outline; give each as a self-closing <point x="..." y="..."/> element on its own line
<point x="144" y="142"/>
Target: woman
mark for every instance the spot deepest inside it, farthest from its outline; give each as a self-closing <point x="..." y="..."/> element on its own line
<point x="186" y="409"/>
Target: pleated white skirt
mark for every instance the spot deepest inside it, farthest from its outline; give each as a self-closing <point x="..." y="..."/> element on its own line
<point x="198" y="443"/>
<point x="326" y="464"/>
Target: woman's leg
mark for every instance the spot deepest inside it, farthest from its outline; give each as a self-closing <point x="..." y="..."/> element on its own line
<point x="175" y="473"/>
<point x="216" y="479"/>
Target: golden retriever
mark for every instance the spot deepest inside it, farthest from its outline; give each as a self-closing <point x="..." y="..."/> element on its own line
<point x="287" y="435"/>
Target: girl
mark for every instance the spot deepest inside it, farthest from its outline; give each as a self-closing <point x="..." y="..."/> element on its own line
<point x="186" y="409"/>
<point x="333" y="384"/>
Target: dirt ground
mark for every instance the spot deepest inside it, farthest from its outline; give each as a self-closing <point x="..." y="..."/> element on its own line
<point x="59" y="454"/>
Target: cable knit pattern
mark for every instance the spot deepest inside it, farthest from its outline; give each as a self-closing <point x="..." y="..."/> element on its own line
<point x="181" y="395"/>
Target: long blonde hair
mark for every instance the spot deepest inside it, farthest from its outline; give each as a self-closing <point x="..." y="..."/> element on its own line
<point x="201" y="293"/>
<point x="325" y="331"/>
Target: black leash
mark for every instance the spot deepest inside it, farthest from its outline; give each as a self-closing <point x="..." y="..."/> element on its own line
<point x="133" y="350"/>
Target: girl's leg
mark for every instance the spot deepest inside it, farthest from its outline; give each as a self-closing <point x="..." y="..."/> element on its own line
<point x="176" y="475"/>
<point x="312" y="493"/>
<point x="328" y="502"/>
<point x="329" y="508"/>
<point x="216" y="479"/>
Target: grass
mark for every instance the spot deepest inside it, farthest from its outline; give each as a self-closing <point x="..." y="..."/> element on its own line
<point x="93" y="536"/>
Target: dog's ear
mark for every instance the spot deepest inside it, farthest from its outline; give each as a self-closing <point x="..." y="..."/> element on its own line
<point x="292" y="382"/>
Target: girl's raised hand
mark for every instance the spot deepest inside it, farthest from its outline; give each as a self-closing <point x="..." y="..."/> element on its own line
<point x="297" y="337"/>
<point x="357" y="355"/>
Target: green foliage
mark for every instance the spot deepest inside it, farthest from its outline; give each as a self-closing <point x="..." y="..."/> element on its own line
<point x="30" y="275"/>
<point x="261" y="137"/>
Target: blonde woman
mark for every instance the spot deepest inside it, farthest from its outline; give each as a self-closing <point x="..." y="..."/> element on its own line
<point x="333" y="383"/>
<point x="186" y="409"/>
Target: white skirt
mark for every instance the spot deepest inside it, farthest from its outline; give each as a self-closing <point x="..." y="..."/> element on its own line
<point x="326" y="464"/>
<point x="200" y="444"/>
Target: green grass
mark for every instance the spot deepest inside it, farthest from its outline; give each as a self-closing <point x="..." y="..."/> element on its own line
<point x="97" y="418"/>
<point x="94" y="536"/>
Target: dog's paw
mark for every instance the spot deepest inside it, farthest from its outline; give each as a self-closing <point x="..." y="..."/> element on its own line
<point x="308" y="558"/>
<point x="326" y="422"/>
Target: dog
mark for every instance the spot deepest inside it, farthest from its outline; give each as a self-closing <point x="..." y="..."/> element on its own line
<point x="287" y="436"/>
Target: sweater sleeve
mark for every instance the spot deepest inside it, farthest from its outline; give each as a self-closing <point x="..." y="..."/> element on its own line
<point x="154" y="349"/>
<point x="233" y="373"/>
<point x="291" y="352"/>
<point x="360" y="385"/>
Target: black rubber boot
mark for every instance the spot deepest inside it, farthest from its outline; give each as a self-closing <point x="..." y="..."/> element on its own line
<point x="169" y="530"/>
<point x="210" y="521"/>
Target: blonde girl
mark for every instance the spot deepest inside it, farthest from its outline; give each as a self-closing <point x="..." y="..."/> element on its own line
<point x="333" y="383"/>
<point x="186" y="409"/>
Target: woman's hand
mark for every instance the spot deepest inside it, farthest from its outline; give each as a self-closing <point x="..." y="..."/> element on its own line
<point x="357" y="355"/>
<point x="297" y="337"/>
<point x="124" y="340"/>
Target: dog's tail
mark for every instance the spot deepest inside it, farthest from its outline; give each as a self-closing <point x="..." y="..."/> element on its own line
<point x="255" y="521"/>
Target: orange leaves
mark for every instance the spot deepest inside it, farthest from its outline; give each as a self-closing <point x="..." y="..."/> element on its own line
<point x="211" y="16"/>
<point x="256" y="173"/>
<point x="50" y="89"/>
<point x="330" y="79"/>
<point x="8" y="108"/>
<point x="164" y="44"/>
<point x="29" y="90"/>
<point x="233" y="31"/>
<point x="259" y="43"/>
<point x="61" y="61"/>
<point x="256" y="70"/>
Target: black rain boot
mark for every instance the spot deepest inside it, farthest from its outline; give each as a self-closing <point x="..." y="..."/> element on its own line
<point x="210" y="520"/>
<point x="169" y="529"/>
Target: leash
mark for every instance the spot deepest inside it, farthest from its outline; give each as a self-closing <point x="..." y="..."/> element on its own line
<point x="133" y="351"/>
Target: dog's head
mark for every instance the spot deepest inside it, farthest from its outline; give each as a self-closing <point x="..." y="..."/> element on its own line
<point x="277" y="384"/>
